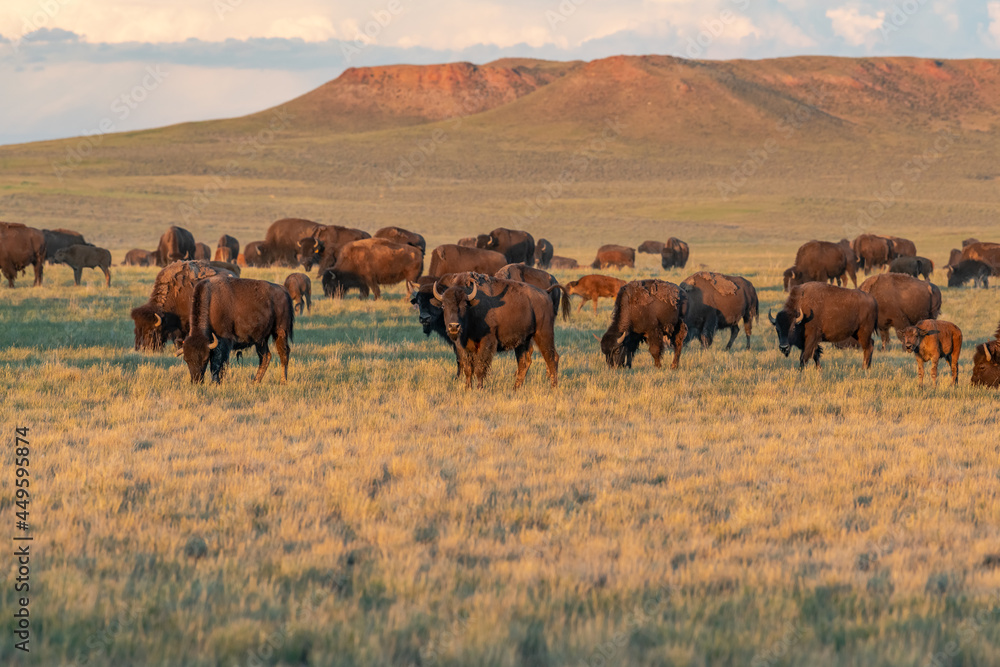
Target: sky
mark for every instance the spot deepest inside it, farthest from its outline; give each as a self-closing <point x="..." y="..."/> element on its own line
<point x="79" y="67"/>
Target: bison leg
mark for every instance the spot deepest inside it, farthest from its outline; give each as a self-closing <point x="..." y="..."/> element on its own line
<point x="77" y="274"/>
<point x="309" y="305"/>
<point x="484" y="358"/>
<point x="679" y="335"/>
<point x="107" y="276"/>
<point x="264" y="352"/>
<point x="884" y="335"/>
<point x="217" y="364"/>
<point x="656" y="346"/>
<point x="595" y="305"/>
<point x="523" y="354"/>
<point x="547" y="347"/>
<point x="748" y="327"/>
<point x="376" y="291"/>
<point x="734" y="331"/>
<point x="920" y="371"/>
<point x="39" y="269"/>
<point x="810" y="350"/>
<point x="934" y="367"/>
<point x="281" y="343"/>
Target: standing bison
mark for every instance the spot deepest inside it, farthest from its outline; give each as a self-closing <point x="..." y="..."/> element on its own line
<point x="451" y="258"/>
<point x="56" y="239"/>
<point x="326" y="243"/>
<point x="817" y="312"/>
<point x="176" y="244"/>
<point x="21" y="247"/>
<point x="282" y="242"/>
<point x="138" y="257"/>
<point x="234" y="314"/>
<point x="514" y="244"/>
<point x="986" y="362"/>
<point x="227" y="249"/>
<point x="930" y="340"/>
<point x="203" y="252"/>
<point x="167" y="313"/>
<point x="80" y="257"/>
<point x="299" y="287"/>
<point x="543" y="254"/>
<point x="912" y="266"/>
<point x="618" y="256"/>
<point x="542" y="280"/>
<point x="404" y="236"/>
<point x="717" y="301"/>
<point x="820" y="261"/>
<point x="902" y="301"/>
<point x="650" y="247"/>
<point x="646" y="311"/>
<point x="674" y="254"/>
<point x="873" y="252"/>
<point x="428" y="307"/>
<point x="593" y="287"/>
<point x="368" y="263"/>
<point x="500" y="315"/>
<point x="902" y="247"/>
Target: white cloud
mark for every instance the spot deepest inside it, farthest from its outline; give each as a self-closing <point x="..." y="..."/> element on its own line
<point x="853" y="26"/>
<point x="993" y="10"/>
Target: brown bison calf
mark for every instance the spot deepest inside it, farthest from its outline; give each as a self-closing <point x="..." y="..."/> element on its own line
<point x="80" y="257"/>
<point x="594" y="286"/>
<point x="299" y="287"/>
<point x="930" y="340"/>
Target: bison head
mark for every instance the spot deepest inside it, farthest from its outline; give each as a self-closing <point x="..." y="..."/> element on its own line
<point x="333" y="286"/>
<point x="454" y="304"/>
<point x="792" y="277"/>
<point x="422" y="299"/>
<point x="912" y="337"/>
<point x="308" y="251"/>
<point x="619" y="347"/>
<point x="196" y="350"/>
<point x="986" y="364"/>
<point x="61" y="256"/>
<point x="153" y="328"/>
<point x="953" y="279"/>
<point x="484" y="240"/>
<point x="790" y="328"/>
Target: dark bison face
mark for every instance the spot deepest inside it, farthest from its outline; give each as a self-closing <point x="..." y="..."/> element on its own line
<point x="196" y="351"/>
<point x="60" y="255"/>
<point x="332" y="285"/>
<point x="454" y="303"/>
<point x="153" y="328"/>
<point x="619" y="347"/>
<point x="792" y="277"/>
<point x="483" y="241"/>
<point x="428" y="313"/>
<point x="986" y="365"/>
<point x="953" y="280"/>
<point x="790" y="330"/>
<point x="911" y="337"/>
<point x="308" y="251"/>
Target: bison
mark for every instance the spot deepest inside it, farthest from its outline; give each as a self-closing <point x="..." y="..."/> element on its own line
<point x="563" y="263"/>
<point x="450" y="258"/>
<point x="203" y="252"/>
<point x="500" y="315"/>
<point x="56" y="239"/>
<point x="167" y="313"/>
<point x="404" y="236"/>
<point x="988" y="253"/>
<point x="593" y="287"/>
<point x="542" y="280"/>
<point x="429" y="310"/>
<point x="954" y="257"/>
<point x="80" y="257"/>
<point x="820" y="261"/>
<point x="282" y="242"/>
<point x="852" y="259"/>
<point x="902" y="301"/>
<point x="929" y="340"/>
<point x="234" y="314"/>
<point x="227" y="249"/>
<point x="674" y="254"/>
<point x="543" y="254"/>
<point x="325" y="243"/>
<point x="367" y="263"/>
<point x="299" y="287"/>
<point x="646" y="311"/>
<point x="717" y="301"/>
<point x="873" y="252"/>
<point x="969" y="269"/>
<point x="138" y="257"/>
<point x="912" y="266"/>
<point x="252" y="256"/>
<point x="176" y="244"/>
<point x="514" y="244"/>
<point x="618" y="256"/>
<point x="650" y="247"/>
<point x="986" y="362"/>
<point x="21" y="247"/>
<point x="902" y="247"/>
<point x="817" y="312"/>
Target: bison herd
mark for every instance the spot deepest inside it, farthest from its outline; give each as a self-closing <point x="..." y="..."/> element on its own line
<point x="492" y="293"/>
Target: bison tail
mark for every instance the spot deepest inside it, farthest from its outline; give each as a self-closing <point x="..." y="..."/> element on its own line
<point x="564" y="300"/>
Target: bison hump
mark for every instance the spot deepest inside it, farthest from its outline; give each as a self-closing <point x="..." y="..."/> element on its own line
<point x="721" y="283"/>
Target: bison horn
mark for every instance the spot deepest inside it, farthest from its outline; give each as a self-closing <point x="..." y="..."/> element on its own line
<point x="180" y="349"/>
<point x="159" y="322"/>
<point x="437" y="292"/>
<point x="770" y="316"/>
<point x="621" y="339"/>
<point x="475" y="291"/>
<point x="986" y="351"/>
<point x="801" y="316"/>
<point x="215" y="342"/>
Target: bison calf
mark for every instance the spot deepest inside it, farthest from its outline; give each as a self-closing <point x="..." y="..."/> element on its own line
<point x="80" y="257"/>
<point x="594" y="286"/>
<point x="930" y="340"/>
<point x="299" y="287"/>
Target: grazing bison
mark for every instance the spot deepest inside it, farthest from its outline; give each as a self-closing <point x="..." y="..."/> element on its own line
<point x="80" y="257"/>
<point x="717" y="301"/>
<point x="203" y="252"/>
<point x="929" y="340"/>
<point x="138" y="257"/>
<point x="496" y="316"/>
<point x="252" y="256"/>
<point x="969" y="269"/>
<point x="281" y="245"/>
<point x="227" y="249"/>
<point x="543" y="254"/>
<point x="646" y="311"/>
<point x="593" y="287"/>
<point x="650" y="247"/>
<point x="986" y="362"/>
<point x="514" y="244"/>
<point x="902" y="247"/>
<point x="176" y="244"/>
<point x="467" y="242"/>
<point x="56" y="239"/>
<point x="299" y="287"/>
<point x="404" y="236"/>
<point x="450" y="258"/>
<point x="819" y="261"/>
<point x="542" y="280"/>
<point x="563" y="263"/>
<point x="325" y="243"/>
<point x="912" y="266"/>
<point x="234" y="314"/>
<point x="167" y="313"/>
<point x="674" y="253"/>
<point x="873" y="252"/>
<point x="618" y="256"/>
<point x="902" y="301"/>
<point x="21" y="247"/>
<point x="988" y="253"/>
<point x="817" y="312"/>
<point x="367" y="263"/>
